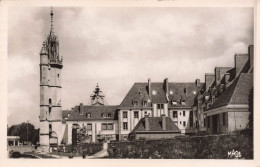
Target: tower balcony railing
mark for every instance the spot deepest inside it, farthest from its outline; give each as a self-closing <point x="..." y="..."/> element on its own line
<point x="55" y="62"/>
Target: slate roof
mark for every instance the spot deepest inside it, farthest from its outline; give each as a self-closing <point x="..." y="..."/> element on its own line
<point x="96" y="112"/>
<point x="237" y="93"/>
<point x="65" y="115"/>
<point x="139" y="92"/>
<point x="155" y="124"/>
<point x="178" y="93"/>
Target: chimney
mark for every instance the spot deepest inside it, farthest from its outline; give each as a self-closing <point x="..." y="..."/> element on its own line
<point x="166" y="85"/>
<point x="227" y="76"/>
<point x="197" y="82"/>
<point x="149" y="87"/>
<point x="163" y="122"/>
<point x="209" y="79"/>
<point x="146" y="119"/>
<point x="219" y="73"/>
<point x="251" y="55"/>
<point x="240" y="61"/>
<point x="81" y="108"/>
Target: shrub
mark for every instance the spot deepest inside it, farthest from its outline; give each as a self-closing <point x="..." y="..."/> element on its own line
<point x="16" y="155"/>
<point x="186" y="147"/>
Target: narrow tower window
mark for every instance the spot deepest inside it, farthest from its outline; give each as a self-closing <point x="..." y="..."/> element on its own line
<point x="50" y="129"/>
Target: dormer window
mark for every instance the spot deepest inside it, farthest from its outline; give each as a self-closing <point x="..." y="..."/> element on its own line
<point x="154" y="92"/>
<point x="213" y="99"/>
<point x="107" y="115"/>
<point x="171" y="92"/>
<point x="88" y="115"/>
<point x="183" y="102"/>
<point x="145" y="103"/>
<point x="174" y="102"/>
<point x="135" y="103"/>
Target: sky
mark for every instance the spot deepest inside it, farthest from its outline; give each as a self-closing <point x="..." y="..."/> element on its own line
<point x="118" y="46"/>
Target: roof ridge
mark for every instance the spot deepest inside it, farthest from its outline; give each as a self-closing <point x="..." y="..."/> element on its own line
<point x="238" y="74"/>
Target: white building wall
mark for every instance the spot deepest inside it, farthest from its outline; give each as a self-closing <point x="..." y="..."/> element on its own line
<point x="96" y="128"/>
<point x="180" y="118"/>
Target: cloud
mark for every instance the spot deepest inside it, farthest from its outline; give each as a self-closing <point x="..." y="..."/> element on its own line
<point x="116" y="47"/>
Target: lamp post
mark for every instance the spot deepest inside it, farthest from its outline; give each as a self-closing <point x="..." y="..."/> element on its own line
<point x="27" y="132"/>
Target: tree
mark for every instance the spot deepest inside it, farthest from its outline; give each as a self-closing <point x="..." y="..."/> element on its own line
<point x="26" y="131"/>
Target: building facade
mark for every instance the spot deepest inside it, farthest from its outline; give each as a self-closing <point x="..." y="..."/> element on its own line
<point x="150" y="109"/>
<point x="225" y="103"/>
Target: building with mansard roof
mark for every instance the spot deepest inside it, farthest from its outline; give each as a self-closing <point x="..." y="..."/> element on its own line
<point x="149" y="110"/>
<point x="225" y="103"/>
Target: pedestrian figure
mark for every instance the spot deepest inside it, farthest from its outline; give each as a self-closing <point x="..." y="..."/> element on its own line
<point x="84" y="154"/>
<point x="70" y="156"/>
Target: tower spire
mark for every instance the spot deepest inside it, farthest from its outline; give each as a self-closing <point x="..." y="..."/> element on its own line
<point x="51" y="21"/>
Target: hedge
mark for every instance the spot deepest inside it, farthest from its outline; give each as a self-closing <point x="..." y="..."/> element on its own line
<point x="186" y="147"/>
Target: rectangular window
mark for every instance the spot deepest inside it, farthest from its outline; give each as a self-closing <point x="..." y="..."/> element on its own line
<point x="109" y="126"/>
<point x="124" y="114"/>
<point x="158" y="106"/>
<point x="162" y="106"/>
<point x="224" y="119"/>
<point x="89" y="127"/>
<point x="50" y="128"/>
<point x="204" y="122"/>
<point x="145" y="103"/>
<point x="136" y="114"/>
<point x="184" y="123"/>
<point x="175" y="114"/>
<point x="104" y="126"/>
<point x="125" y="126"/>
<point x="183" y="113"/>
<point x="180" y="122"/>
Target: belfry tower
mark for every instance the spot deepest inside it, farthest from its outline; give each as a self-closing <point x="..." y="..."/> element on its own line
<point x="50" y="90"/>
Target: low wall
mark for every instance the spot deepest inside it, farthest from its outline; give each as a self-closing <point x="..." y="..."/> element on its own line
<point x="20" y="149"/>
<point x="88" y="148"/>
<point x="187" y="147"/>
